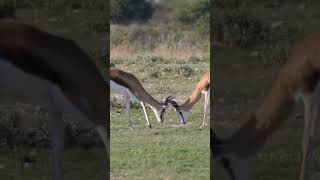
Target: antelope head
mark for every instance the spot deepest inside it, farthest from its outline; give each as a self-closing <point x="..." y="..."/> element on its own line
<point x="184" y="115"/>
<point x="161" y="113"/>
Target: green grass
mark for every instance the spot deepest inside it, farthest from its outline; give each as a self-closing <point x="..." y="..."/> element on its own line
<point x="168" y="150"/>
<point x="91" y="165"/>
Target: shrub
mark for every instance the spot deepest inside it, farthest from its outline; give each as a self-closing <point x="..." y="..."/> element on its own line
<point x="238" y="28"/>
<point x="242" y="30"/>
<point x="168" y="69"/>
<point x="195" y="13"/>
<point x="221" y="4"/>
<point x="38" y="134"/>
<point x="278" y="44"/>
<point x="194" y="60"/>
<point x="117" y="38"/>
<point x="123" y="11"/>
<point x="185" y="70"/>
<point x="154" y="73"/>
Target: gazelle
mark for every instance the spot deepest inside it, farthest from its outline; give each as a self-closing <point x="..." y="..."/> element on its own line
<point x="129" y="86"/>
<point x="298" y="79"/>
<point x="43" y="69"/>
<point x="202" y="87"/>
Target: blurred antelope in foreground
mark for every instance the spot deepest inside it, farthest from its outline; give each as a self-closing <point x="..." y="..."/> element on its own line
<point x="42" y="69"/>
<point x="299" y="79"/>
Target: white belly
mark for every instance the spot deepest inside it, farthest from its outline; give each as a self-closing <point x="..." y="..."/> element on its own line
<point x="18" y="86"/>
<point x="118" y="89"/>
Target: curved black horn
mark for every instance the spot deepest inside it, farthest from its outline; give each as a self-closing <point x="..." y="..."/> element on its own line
<point x="174" y="103"/>
<point x="168" y="99"/>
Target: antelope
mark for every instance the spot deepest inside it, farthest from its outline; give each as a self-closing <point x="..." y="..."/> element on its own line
<point x="42" y="69"/>
<point x="128" y="85"/>
<point x="202" y="88"/>
<point x="299" y="79"/>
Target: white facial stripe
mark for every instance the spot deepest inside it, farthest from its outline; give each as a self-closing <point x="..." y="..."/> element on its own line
<point x="161" y="114"/>
<point x="185" y="116"/>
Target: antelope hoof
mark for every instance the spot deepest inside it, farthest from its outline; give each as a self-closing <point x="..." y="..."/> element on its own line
<point x="148" y="125"/>
<point x="202" y="126"/>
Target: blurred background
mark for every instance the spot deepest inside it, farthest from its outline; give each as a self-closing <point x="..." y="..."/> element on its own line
<point x="252" y="40"/>
<point x="24" y="140"/>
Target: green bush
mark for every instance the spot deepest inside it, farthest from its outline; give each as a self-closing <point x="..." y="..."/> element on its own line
<point x="117" y="38"/>
<point x="155" y="73"/>
<point x="123" y="11"/>
<point x="38" y="136"/>
<point x="241" y="29"/>
<point x="278" y="44"/>
<point x="225" y="3"/>
<point x="185" y="70"/>
<point x="195" y="13"/>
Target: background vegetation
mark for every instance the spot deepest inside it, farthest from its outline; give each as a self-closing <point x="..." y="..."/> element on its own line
<point x="252" y="40"/>
<point x="267" y="28"/>
<point x="168" y="33"/>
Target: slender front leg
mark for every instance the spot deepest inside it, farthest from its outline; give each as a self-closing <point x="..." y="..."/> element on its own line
<point x="145" y="114"/>
<point x="102" y="131"/>
<point x="57" y="139"/>
<point x="308" y="144"/>
<point x="206" y="103"/>
<point x="128" y="111"/>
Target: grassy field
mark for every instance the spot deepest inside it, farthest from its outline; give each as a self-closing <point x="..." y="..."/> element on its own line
<point x="91" y="165"/>
<point x="79" y="163"/>
<point x="168" y="150"/>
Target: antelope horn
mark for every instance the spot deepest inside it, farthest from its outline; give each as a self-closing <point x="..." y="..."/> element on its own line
<point x="174" y="104"/>
<point x="168" y="99"/>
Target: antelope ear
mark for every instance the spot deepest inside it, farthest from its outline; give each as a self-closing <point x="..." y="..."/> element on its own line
<point x="216" y="144"/>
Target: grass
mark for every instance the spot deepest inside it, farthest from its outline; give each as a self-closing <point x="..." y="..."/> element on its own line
<point x="162" y="51"/>
<point x="12" y="167"/>
<point x="168" y="150"/>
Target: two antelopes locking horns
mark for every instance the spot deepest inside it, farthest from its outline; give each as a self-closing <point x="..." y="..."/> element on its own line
<point x="129" y="86"/>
